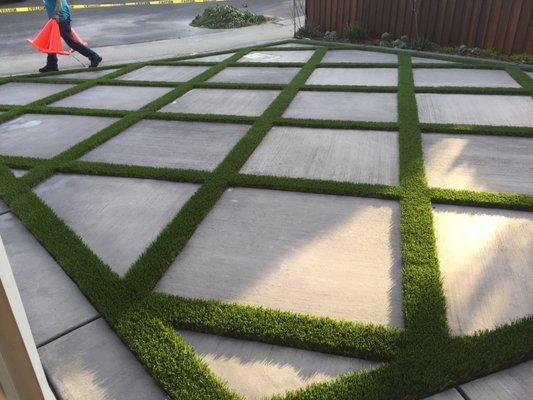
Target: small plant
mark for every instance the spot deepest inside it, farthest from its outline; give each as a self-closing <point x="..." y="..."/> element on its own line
<point x="424" y="44"/>
<point x="353" y="33"/>
<point x="523" y="58"/>
<point x="463" y="50"/>
<point x="225" y="16"/>
<point x="385" y="40"/>
<point x="476" y="51"/>
<point x="309" y="31"/>
<point x="402" y="43"/>
<point x="330" y="36"/>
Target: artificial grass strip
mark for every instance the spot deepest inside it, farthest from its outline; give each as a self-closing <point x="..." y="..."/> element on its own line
<point x="478" y="129"/>
<point x="471" y="90"/>
<point x="337" y="124"/>
<point x="511" y="201"/>
<point x="522" y="78"/>
<point x="350" y="88"/>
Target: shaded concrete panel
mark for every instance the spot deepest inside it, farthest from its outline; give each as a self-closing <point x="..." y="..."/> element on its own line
<point x="23" y="93"/>
<point x="354" y="76"/>
<point x="344" y="106"/>
<point x="113" y="97"/>
<point x="475" y="109"/>
<point x="217" y="58"/>
<point x="172" y="144"/>
<point x="358" y="56"/>
<point x="290" y="45"/>
<point x="19" y="172"/>
<point x="451" y="394"/>
<point x="322" y="255"/>
<point x="485" y="261"/>
<point x="463" y="77"/>
<point x="257" y="370"/>
<point x="338" y="155"/>
<point x="284" y="56"/>
<point x="44" y="136"/>
<point x="255" y="75"/>
<point x="429" y="60"/>
<point x="92" y="363"/>
<point x="164" y="73"/>
<point x="515" y="383"/>
<point x="53" y="303"/>
<point x="85" y="75"/>
<point x="116" y="217"/>
<point x="486" y="163"/>
<point x="250" y="103"/>
<point x="530" y="74"/>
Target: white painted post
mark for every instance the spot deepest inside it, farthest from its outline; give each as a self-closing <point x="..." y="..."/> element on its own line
<point x="21" y="373"/>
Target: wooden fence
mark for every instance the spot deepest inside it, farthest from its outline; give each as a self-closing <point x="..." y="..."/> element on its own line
<point x="502" y="25"/>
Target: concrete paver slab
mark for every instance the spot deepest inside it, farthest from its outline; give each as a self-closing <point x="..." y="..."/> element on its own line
<point x="116" y="217"/>
<point x="213" y="59"/>
<point x="475" y="109"/>
<point x="515" y="383"/>
<point x="291" y="45"/>
<point x="273" y="56"/>
<point x="338" y="155"/>
<point x="476" y="162"/>
<point x="424" y="60"/>
<point x="250" y="103"/>
<point x="463" y="77"/>
<point x="113" y="97"/>
<point x="19" y="172"/>
<point x="164" y="73"/>
<point x="85" y="74"/>
<point x="451" y="394"/>
<point x="92" y="363"/>
<point x="530" y="74"/>
<point x="255" y="75"/>
<point x="172" y="144"/>
<point x="257" y="370"/>
<point x="19" y="93"/>
<point x="53" y="303"/>
<point x="354" y="76"/>
<point x="330" y="256"/>
<point x="485" y="261"/>
<point x="45" y="135"/>
<point x="358" y="56"/>
<point x="344" y="106"/>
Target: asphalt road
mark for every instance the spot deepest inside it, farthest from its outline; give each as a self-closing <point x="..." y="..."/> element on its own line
<point x="122" y="25"/>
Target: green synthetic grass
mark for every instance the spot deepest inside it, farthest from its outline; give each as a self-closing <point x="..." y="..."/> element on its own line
<point x="418" y="360"/>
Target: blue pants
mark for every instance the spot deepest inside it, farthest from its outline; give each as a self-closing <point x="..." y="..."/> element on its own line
<point x="66" y="34"/>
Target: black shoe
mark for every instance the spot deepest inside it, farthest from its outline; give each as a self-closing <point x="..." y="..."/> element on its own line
<point x="95" y="62"/>
<point x="48" y="68"/>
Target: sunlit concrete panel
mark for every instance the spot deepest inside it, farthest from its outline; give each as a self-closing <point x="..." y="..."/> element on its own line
<point x="475" y="109"/>
<point x="328" y="154"/>
<point x="358" y="56"/>
<point x="451" y="394"/>
<point x="485" y="262"/>
<point x="273" y="56"/>
<point x="281" y="75"/>
<point x="515" y="383"/>
<point x="116" y="217"/>
<point x="463" y="77"/>
<point x="45" y="135"/>
<point x="257" y="370"/>
<point x="329" y="256"/>
<point x="19" y="93"/>
<point x="85" y="74"/>
<point x="171" y="144"/>
<point x="92" y="363"/>
<point x="354" y="76"/>
<point x="214" y="59"/>
<point x="53" y="303"/>
<point x="113" y="97"/>
<point x="476" y="162"/>
<point x="164" y="73"/>
<point x="250" y="103"/>
<point x="381" y="107"/>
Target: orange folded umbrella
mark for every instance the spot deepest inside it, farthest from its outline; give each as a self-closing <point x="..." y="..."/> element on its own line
<point x="49" y="39"/>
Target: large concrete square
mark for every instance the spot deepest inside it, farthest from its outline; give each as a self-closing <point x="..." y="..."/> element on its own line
<point x="515" y="383"/>
<point x="256" y="75"/>
<point x="172" y="144"/>
<point x="475" y="109"/>
<point x="463" y="77"/>
<point x="354" y="76"/>
<point x="45" y="135"/>
<point x="380" y="107"/>
<point x="282" y="56"/>
<point x="451" y="394"/>
<point x="92" y="363"/>
<point x="359" y="56"/>
<point x="485" y="261"/>
<point x="19" y="93"/>
<point x="328" y="154"/>
<point x="476" y="162"/>
<point x="85" y="74"/>
<point x="328" y="256"/>
<point x="257" y="370"/>
<point x="113" y="97"/>
<point x="210" y="59"/>
<point x="116" y="217"/>
<point x="424" y="60"/>
<point x="164" y="73"/>
<point x="251" y="103"/>
<point x="53" y="303"/>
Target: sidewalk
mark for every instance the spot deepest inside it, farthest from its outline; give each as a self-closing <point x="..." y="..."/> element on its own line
<point x="226" y="40"/>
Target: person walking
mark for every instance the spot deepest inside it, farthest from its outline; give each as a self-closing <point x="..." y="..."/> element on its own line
<point x="60" y="11"/>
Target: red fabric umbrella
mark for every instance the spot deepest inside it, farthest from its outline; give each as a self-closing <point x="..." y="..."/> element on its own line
<point x="49" y="39"/>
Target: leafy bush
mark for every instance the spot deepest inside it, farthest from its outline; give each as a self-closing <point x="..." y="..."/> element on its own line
<point x="463" y="50"/>
<point x="353" y="33"/>
<point x="226" y="17"/>
<point x="330" y="36"/>
<point x="523" y="58"/>
<point x="309" y="31"/>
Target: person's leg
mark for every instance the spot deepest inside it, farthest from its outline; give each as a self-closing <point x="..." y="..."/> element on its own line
<point x="66" y="34"/>
<point x="51" y="64"/>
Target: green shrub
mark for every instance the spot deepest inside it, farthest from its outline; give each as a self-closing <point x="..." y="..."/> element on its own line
<point x="309" y="31"/>
<point x="330" y="36"/>
<point x="226" y="17"/>
<point x="353" y="33"/>
<point x="523" y="58"/>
